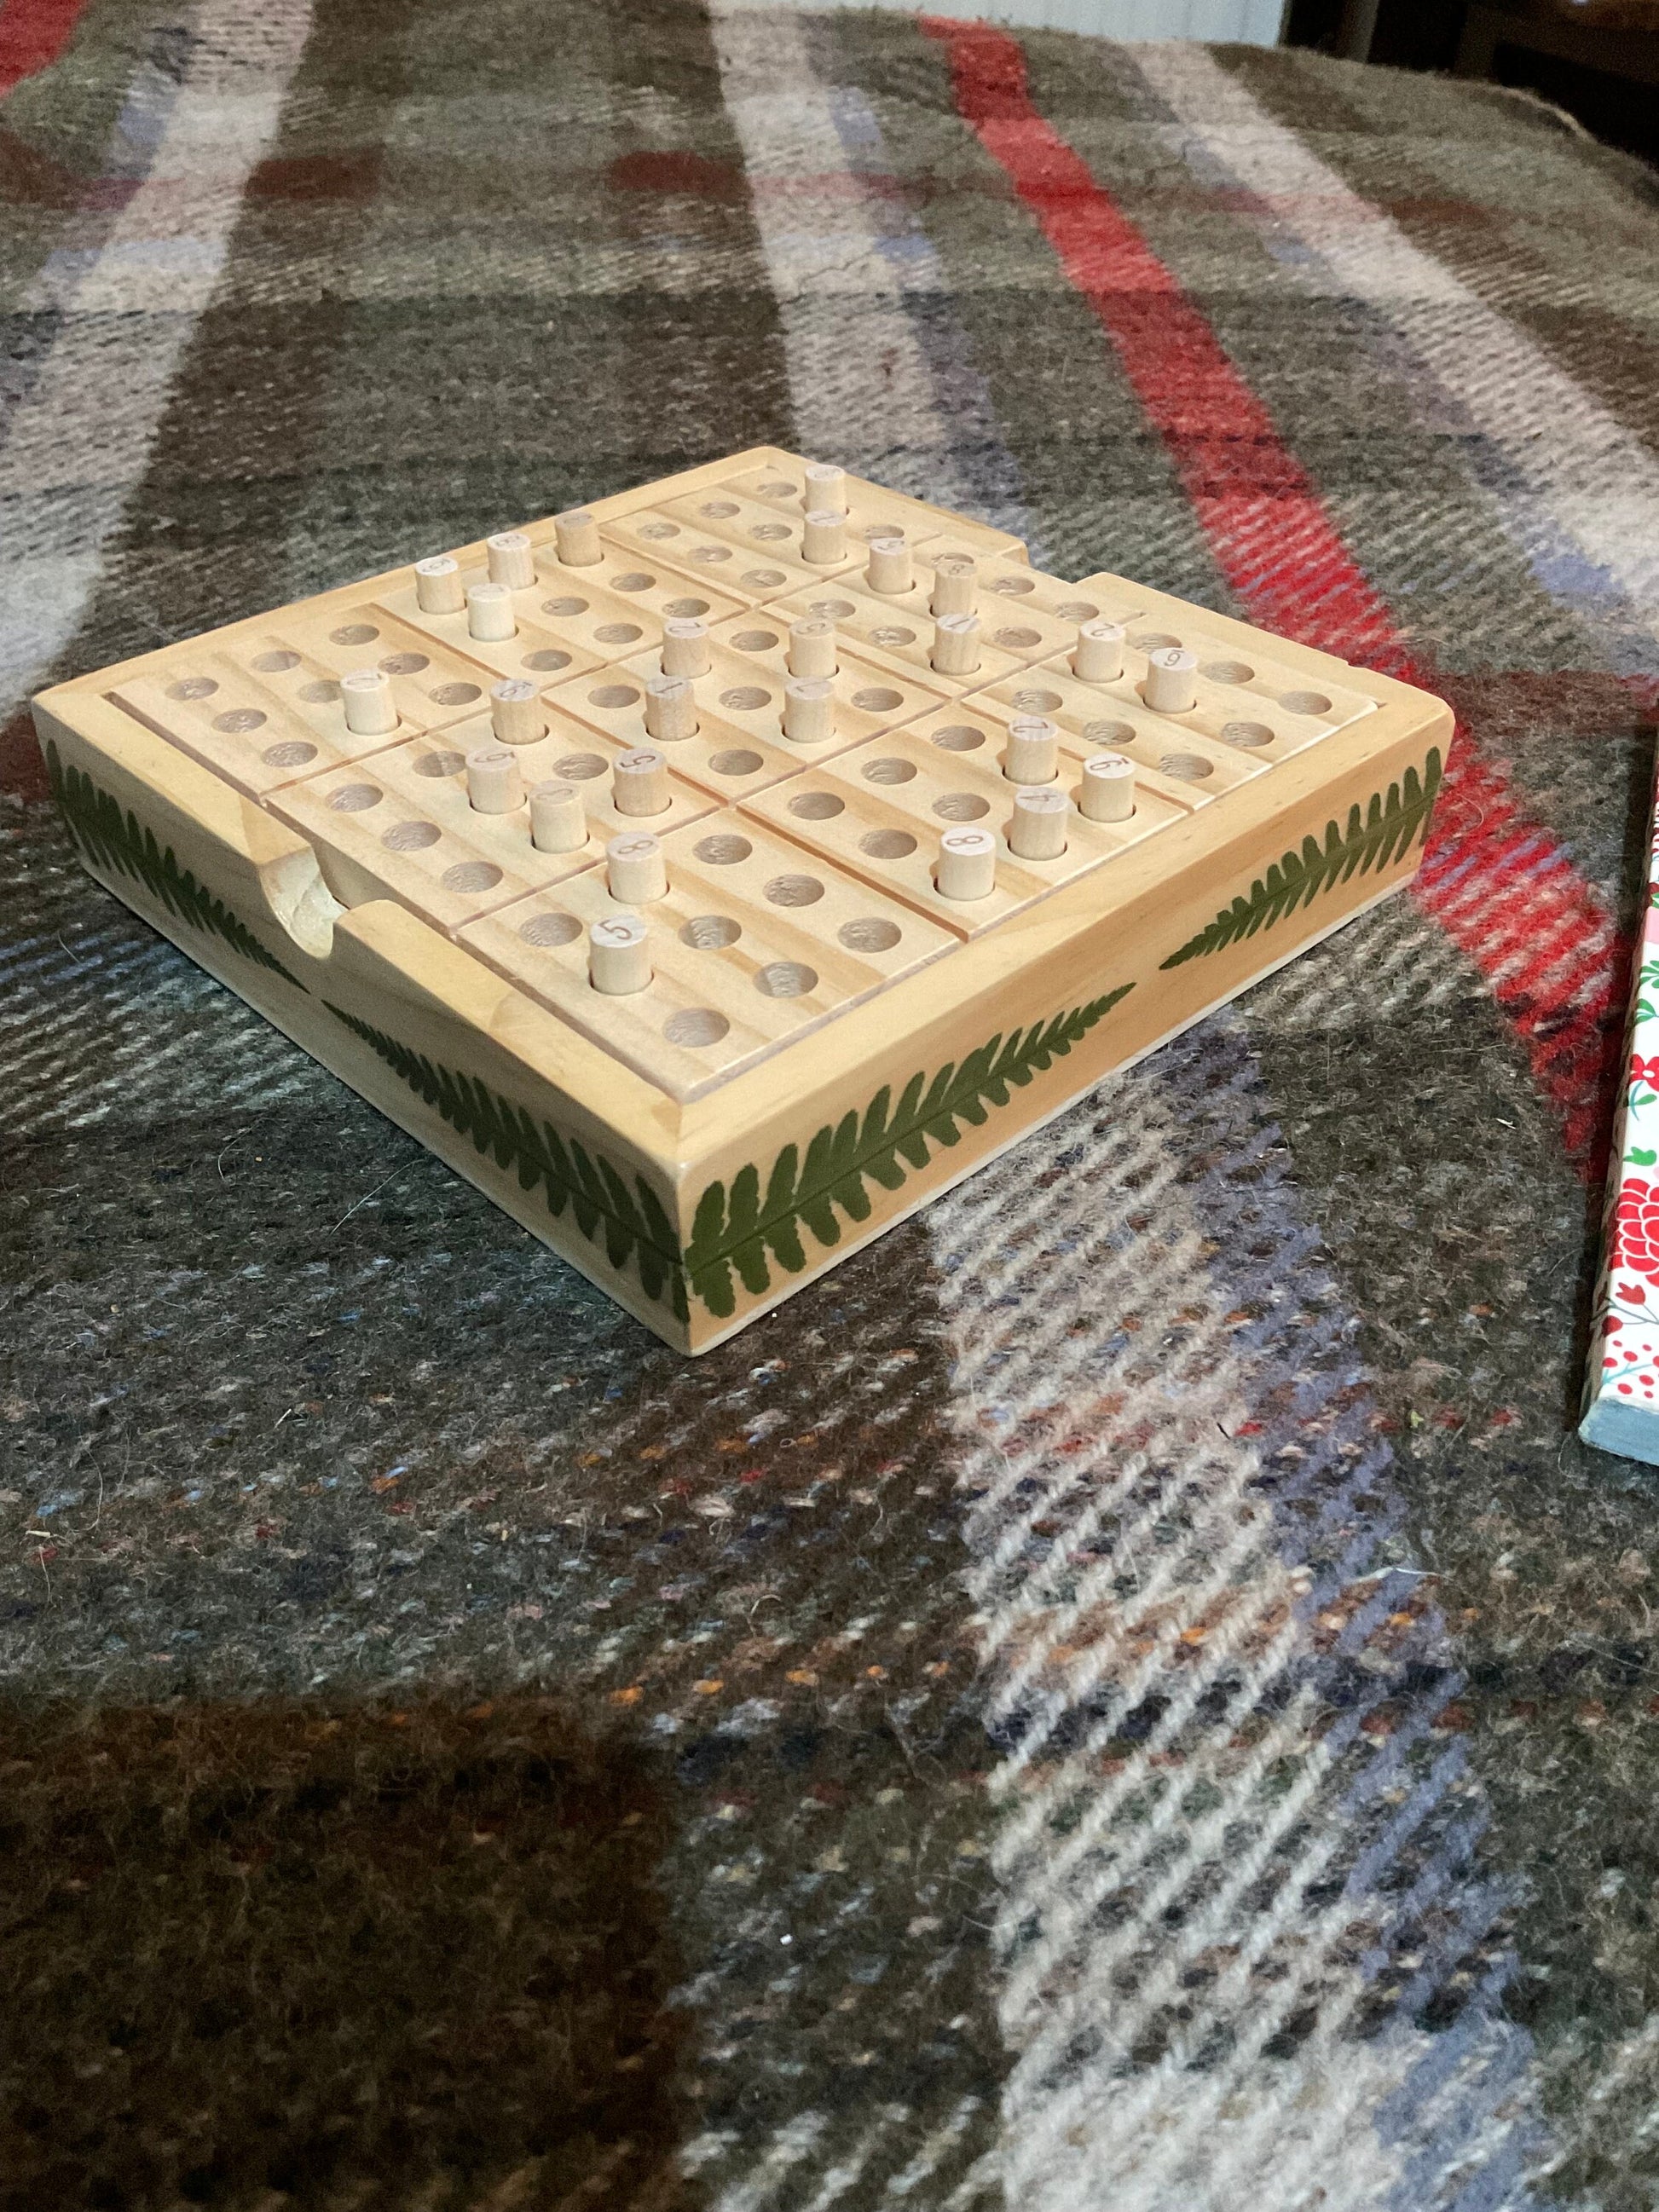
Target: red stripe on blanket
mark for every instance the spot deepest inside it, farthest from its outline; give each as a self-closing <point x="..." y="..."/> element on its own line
<point x="1502" y="889"/>
<point x="32" y="34"/>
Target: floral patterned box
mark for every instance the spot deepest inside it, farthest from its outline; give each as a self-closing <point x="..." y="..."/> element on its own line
<point x="1621" y="1391"/>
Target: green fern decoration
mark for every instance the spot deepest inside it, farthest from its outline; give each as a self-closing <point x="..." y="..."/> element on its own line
<point x="632" y="1224"/>
<point x="120" y="844"/>
<point x="1385" y="831"/>
<point x="738" y="1230"/>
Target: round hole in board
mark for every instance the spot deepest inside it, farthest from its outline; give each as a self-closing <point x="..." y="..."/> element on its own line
<point x="1186" y="768"/>
<point x="877" y="699"/>
<point x="719" y="510"/>
<point x="550" y="929"/>
<point x="613" y="696"/>
<point x="887" y="844"/>
<point x="787" y="979"/>
<point x="832" y="610"/>
<point x="1305" y="702"/>
<point x="872" y="531"/>
<point x="457" y="695"/>
<point x="755" y="641"/>
<point x="577" y="768"/>
<point x="1078" y="610"/>
<point x="776" y="490"/>
<point x="636" y="580"/>
<point x="440" y="763"/>
<point x="294" y="753"/>
<point x="1228" y="671"/>
<point x="795" y="891"/>
<point x="320" y="689"/>
<point x="405" y="664"/>
<point x="656" y="531"/>
<point x="737" y="760"/>
<point x="746" y="699"/>
<point x="1153" y="641"/>
<point x="277" y="664"/>
<point x="567" y="606"/>
<point x="817" y="806"/>
<point x="710" y="932"/>
<point x="892" y="633"/>
<point x="619" y="633"/>
<point x="962" y="806"/>
<point x="869" y="934"/>
<point x="472" y="876"/>
<point x="686" y="610"/>
<point x="768" y="533"/>
<point x="709" y="557"/>
<point x="192" y="687"/>
<point x="1246" y="733"/>
<point x="960" y="738"/>
<point x="353" y="633"/>
<point x="890" y="770"/>
<point x="722" y="850"/>
<point x="1013" y="587"/>
<point x="1110" y="736"/>
<point x="239" y="720"/>
<point x="411" y="836"/>
<point x="1016" y="640"/>
<point x="1031" y="701"/>
<point x="355" y="797"/>
<point x="696" y="1025"/>
<point x="547" y="658"/>
<point x="762" y="580"/>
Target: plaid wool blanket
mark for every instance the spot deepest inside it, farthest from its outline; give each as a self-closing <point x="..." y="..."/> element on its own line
<point x="1129" y="1695"/>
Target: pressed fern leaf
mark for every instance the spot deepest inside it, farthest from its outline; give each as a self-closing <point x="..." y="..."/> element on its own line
<point x="741" y="1233"/>
<point x="118" y="843"/>
<point x="1387" y="829"/>
<point x="631" y="1224"/>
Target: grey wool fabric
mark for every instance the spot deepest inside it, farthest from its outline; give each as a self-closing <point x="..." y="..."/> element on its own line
<point x="1128" y="1694"/>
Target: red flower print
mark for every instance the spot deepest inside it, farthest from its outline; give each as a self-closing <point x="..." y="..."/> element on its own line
<point x="1645" y="1071"/>
<point x="1637" y="1228"/>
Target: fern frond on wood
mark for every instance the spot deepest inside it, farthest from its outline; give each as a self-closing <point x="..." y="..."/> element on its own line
<point x="1383" y="833"/>
<point x="630" y="1224"/>
<point x="743" y="1232"/>
<point x="120" y="844"/>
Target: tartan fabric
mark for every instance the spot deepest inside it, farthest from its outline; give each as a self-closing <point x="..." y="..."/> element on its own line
<point x="1128" y="1693"/>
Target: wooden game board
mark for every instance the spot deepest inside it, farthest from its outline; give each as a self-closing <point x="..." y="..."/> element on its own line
<point x="822" y="1039"/>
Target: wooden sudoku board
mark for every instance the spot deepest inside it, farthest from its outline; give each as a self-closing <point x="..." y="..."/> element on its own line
<point x="709" y="972"/>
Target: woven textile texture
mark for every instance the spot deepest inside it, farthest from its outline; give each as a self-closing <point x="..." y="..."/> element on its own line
<point x="1129" y="1694"/>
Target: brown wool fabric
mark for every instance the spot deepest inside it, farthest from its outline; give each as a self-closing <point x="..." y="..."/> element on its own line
<point x="1127" y="1693"/>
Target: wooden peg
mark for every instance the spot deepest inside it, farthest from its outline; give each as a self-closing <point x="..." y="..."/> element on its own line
<point x="956" y="644"/>
<point x="634" y="868"/>
<point x="511" y="561"/>
<point x="1097" y="656"/>
<point x="438" y="587"/>
<point x="824" y="539"/>
<point x="670" y="709"/>
<point x="516" y="714"/>
<point x="619" y="955"/>
<point x="812" y="646"/>
<point x="639" y="781"/>
<point x="955" y="585"/>
<point x="826" y="488"/>
<point x="558" y="821"/>
<point x="576" y="538"/>
<point x="684" y="647"/>
<point x="890" y="570"/>
<point x="494" y="784"/>
<point x="967" y="864"/>
<point x="489" y="612"/>
<point x="808" y="710"/>
<point x="1036" y="828"/>
<point x="1107" y="792"/>
<point x="370" y="710"/>
<point x="1033" y="754"/>
<point x="1169" y="688"/>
